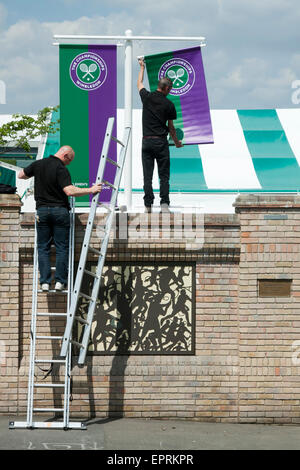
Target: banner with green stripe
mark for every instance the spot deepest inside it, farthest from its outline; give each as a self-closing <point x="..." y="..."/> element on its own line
<point x="88" y="97"/>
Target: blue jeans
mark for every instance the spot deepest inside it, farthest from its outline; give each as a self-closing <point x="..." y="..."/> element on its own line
<point x="53" y="224"/>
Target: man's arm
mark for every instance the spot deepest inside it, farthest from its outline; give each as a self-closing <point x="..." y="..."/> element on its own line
<point x="72" y="190"/>
<point x="22" y="176"/>
<point x="140" y="83"/>
<point x="172" y="132"/>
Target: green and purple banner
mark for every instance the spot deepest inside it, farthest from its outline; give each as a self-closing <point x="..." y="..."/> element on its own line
<point x="88" y="97"/>
<point x="189" y="94"/>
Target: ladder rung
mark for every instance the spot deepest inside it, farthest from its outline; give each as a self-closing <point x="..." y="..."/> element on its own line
<point x="113" y="162"/>
<point x="52" y="314"/>
<point x="49" y="337"/>
<point x="118" y="141"/>
<point x="52" y="361"/>
<point x="94" y="250"/>
<point x="76" y="343"/>
<point x="91" y="274"/>
<point x="46" y="425"/>
<point x="81" y="320"/>
<point x="48" y="409"/>
<point x="105" y="206"/>
<point x="87" y="297"/>
<point x="102" y="229"/>
<point x="110" y="185"/>
<point x="53" y="291"/>
<point x="49" y="385"/>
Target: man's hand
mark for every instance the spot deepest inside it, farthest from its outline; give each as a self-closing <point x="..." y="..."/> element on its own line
<point x="72" y="190"/>
<point x="96" y="188"/>
<point x="172" y="131"/>
<point x="22" y="176"/>
<point x="179" y="144"/>
<point x="140" y="83"/>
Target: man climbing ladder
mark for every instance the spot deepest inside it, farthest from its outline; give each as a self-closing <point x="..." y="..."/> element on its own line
<point x="52" y="186"/>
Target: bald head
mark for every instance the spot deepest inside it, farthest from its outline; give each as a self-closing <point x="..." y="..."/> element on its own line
<point x="66" y="154"/>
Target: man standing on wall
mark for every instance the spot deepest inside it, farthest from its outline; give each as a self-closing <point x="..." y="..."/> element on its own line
<point x="52" y="186"/>
<point x="158" y="116"/>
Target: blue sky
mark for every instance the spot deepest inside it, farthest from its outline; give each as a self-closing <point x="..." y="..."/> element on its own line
<point x="251" y="60"/>
<point x="54" y="10"/>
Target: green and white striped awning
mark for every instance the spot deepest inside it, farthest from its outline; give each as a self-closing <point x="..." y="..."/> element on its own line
<point x="253" y="151"/>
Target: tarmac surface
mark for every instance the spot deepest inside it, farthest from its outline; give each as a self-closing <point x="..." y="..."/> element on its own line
<point x="150" y="434"/>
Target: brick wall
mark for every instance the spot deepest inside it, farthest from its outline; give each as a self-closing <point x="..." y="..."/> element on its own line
<point x="269" y="384"/>
<point x="245" y="364"/>
<point x="9" y="301"/>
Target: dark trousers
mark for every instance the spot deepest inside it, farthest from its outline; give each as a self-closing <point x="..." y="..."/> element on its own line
<point x="156" y="149"/>
<point x="53" y="224"/>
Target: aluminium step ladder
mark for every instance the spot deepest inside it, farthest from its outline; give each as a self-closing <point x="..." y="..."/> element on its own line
<point x="56" y="360"/>
<point x="86" y="247"/>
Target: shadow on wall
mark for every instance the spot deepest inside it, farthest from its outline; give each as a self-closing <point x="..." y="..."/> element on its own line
<point x="118" y="367"/>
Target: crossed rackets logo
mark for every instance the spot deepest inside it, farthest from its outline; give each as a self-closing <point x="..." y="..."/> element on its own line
<point x="88" y="71"/>
<point x="182" y="74"/>
<point x="178" y="75"/>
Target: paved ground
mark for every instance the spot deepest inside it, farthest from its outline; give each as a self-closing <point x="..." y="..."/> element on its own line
<point x="135" y="434"/>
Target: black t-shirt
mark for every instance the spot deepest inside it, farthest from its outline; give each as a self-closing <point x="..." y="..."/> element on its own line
<point x="157" y="110"/>
<point x="51" y="176"/>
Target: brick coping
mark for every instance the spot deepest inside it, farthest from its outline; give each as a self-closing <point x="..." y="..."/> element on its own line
<point x="10" y="200"/>
<point x="270" y="201"/>
<point x="210" y="220"/>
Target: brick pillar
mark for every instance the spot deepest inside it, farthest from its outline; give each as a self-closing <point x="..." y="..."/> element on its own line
<point x="269" y="326"/>
<point x="9" y="301"/>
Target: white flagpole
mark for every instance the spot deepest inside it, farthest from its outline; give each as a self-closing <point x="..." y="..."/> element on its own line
<point x="128" y="119"/>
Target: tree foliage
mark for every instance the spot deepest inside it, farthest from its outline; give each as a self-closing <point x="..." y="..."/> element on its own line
<point x="23" y="128"/>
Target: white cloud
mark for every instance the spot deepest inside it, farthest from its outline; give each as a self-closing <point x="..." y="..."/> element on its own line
<point x="295" y="61"/>
<point x="255" y="83"/>
<point x="250" y="59"/>
<point x="28" y="66"/>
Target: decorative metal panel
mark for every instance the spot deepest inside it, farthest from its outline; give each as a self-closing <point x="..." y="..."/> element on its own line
<point x="143" y="309"/>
